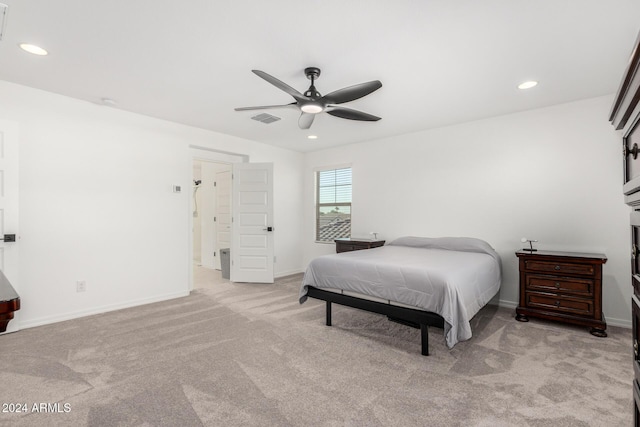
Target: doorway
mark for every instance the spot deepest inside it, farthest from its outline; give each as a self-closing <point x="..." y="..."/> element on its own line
<point x="204" y="254"/>
<point x="249" y="239"/>
<point x="211" y="211"/>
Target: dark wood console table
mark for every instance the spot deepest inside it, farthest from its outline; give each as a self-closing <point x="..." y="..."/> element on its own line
<point x="9" y="302"/>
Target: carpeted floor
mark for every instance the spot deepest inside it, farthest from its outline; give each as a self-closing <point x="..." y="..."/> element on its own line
<point x="250" y="355"/>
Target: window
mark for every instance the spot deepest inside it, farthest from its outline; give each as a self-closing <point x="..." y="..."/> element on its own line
<point x="333" y="204"/>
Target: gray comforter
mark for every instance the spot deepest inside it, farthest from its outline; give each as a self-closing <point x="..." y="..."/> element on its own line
<point x="451" y="276"/>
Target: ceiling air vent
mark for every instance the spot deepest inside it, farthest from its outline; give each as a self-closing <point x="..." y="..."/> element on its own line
<point x="266" y="118"/>
<point x="3" y="18"/>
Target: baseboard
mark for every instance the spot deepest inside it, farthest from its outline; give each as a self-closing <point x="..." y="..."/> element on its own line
<point x="505" y="304"/>
<point x="281" y="274"/>
<point x="98" y="310"/>
<point x="611" y="321"/>
<point x="622" y="323"/>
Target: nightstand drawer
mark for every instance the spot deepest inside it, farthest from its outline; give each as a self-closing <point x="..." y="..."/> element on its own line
<point x="560" y="267"/>
<point x="583" y="287"/>
<point x="575" y="306"/>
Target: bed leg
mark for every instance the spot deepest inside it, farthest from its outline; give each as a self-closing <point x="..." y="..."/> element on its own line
<point x="424" y="335"/>
<point x="328" y="313"/>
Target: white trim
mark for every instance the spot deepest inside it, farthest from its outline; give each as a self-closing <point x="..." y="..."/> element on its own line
<point x="316" y="192"/>
<point x="102" y="309"/>
<point x="622" y="323"/>
<point x="504" y="303"/>
<point x="282" y="274"/>
<point x="330" y="168"/>
<point x="244" y="157"/>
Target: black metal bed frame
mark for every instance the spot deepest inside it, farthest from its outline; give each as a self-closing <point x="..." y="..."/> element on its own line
<point x="407" y="316"/>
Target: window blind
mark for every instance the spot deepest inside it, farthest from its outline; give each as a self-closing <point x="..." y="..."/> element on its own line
<point x="333" y="204"/>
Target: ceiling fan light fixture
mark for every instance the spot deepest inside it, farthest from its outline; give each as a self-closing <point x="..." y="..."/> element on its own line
<point x="31" y="48"/>
<point x="528" y="84"/>
<point x="312" y="108"/>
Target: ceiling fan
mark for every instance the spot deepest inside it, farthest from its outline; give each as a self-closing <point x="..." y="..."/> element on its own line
<point x="311" y="102"/>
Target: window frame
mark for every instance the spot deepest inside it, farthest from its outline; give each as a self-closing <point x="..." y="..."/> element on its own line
<point x="318" y="205"/>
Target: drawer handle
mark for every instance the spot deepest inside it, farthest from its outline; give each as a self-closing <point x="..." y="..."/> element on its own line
<point x="557" y="285"/>
<point x="557" y="303"/>
<point x="635" y="348"/>
<point x="557" y="267"/>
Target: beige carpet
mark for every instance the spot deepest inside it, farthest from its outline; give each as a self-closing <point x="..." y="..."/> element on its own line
<point x="250" y="355"/>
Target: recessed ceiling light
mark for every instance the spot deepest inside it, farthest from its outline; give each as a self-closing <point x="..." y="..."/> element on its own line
<point x="528" y="84"/>
<point x="312" y="137"/>
<point x="32" y="48"/>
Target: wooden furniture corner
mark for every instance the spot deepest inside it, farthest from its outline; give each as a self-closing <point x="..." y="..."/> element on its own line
<point x="562" y="286"/>
<point x="348" y="244"/>
<point x="9" y="302"/>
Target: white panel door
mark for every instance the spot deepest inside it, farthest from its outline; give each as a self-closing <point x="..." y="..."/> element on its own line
<point x="252" y="235"/>
<point x="223" y="213"/>
<point x="9" y="208"/>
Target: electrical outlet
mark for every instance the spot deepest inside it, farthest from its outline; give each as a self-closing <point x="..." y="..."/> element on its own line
<point x="81" y="286"/>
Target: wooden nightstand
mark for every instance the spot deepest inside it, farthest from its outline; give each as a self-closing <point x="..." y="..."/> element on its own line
<point x="562" y="286"/>
<point x="347" y="245"/>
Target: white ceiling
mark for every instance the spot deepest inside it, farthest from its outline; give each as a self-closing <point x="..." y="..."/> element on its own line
<point x="441" y="62"/>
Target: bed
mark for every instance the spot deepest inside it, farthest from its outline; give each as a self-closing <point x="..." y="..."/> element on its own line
<point x="419" y="281"/>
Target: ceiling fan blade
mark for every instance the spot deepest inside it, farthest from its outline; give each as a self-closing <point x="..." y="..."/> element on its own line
<point x="305" y="120"/>
<point x="281" y="85"/>
<point x="352" y="92"/>
<point x="348" y="113"/>
<point x="265" y="107"/>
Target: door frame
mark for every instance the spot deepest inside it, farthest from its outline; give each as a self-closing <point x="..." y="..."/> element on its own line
<point x="218" y="221"/>
<point x="197" y="152"/>
<point x="207" y="204"/>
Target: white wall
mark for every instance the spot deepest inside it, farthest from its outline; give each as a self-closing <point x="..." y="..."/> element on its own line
<point x="552" y="174"/>
<point x="96" y="204"/>
<point x="96" y="201"/>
